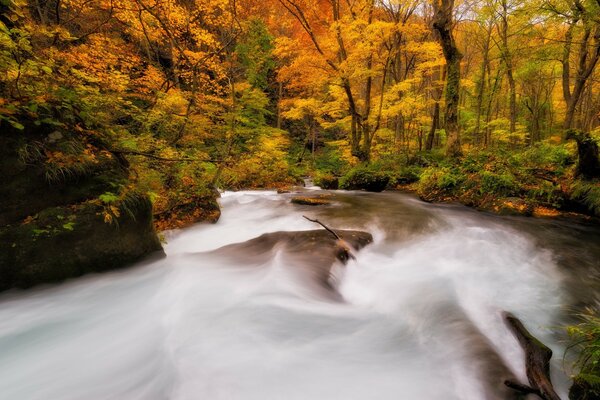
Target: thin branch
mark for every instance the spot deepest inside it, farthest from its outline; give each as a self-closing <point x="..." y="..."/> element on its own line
<point x="154" y="156"/>
<point x="324" y="226"/>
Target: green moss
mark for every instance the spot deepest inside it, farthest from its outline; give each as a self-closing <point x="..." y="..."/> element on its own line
<point x="45" y="248"/>
<point x="361" y="178"/>
<point x="327" y="181"/>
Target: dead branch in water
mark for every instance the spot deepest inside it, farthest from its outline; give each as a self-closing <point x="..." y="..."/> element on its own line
<point x="324" y="226"/>
<point x="343" y="248"/>
<point x="537" y="362"/>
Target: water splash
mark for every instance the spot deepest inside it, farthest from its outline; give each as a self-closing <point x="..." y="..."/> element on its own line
<point x="419" y="317"/>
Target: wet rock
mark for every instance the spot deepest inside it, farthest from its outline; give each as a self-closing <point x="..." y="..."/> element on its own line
<point x="52" y="223"/>
<point x="65" y="242"/>
<point x="361" y="179"/>
<point x="309" y="255"/>
<point x="310" y="201"/>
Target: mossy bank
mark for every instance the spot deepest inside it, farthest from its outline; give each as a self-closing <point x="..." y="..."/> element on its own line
<point x="61" y="218"/>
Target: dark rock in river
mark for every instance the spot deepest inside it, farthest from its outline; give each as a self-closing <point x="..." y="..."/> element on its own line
<point x="308" y="254"/>
<point x="51" y="219"/>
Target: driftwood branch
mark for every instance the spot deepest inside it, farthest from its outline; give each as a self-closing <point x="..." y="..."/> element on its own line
<point x="343" y="248"/>
<point x="525" y="389"/>
<point x="537" y="362"/>
<point x="324" y="226"/>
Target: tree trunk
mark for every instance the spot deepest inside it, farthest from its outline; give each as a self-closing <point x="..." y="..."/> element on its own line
<point x="508" y="63"/>
<point x="434" y="126"/>
<point x="443" y="24"/>
<point x="481" y="84"/>
<point x="588" y="56"/>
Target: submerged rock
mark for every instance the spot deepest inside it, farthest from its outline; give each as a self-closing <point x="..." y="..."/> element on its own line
<point x="310" y="255"/>
<point x="310" y="201"/>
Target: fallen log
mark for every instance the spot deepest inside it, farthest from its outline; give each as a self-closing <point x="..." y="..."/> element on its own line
<point x="537" y="362"/>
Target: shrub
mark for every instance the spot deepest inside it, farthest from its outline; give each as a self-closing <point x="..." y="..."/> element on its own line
<point x="361" y="178"/>
<point x="585" y="339"/>
<point x="503" y="184"/>
<point x="588" y="192"/>
<point x="439" y="179"/>
<point x="327" y="181"/>
<point x="408" y="174"/>
<point x="544" y="155"/>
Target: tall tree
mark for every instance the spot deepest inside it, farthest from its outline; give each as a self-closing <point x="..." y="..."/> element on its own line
<point x="443" y="24"/>
<point x="583" y="30"/>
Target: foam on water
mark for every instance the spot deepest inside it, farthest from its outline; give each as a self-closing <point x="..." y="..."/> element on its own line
<point x="421" y="305"/>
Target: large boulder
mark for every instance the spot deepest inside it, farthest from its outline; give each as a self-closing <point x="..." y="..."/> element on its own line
<point x="364" y="179"/>
<point x="53" y="222"/>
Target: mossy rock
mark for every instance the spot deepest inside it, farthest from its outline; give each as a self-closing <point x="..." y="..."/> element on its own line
<point x="28" y="187"/>
<point x="363" y="179"/>
<point x="65" y="242"/>
<point x="197" y="209"/>
<point x="327" y="182"/>
<point x="585" y="387"/>
<point x="310" y="201"/>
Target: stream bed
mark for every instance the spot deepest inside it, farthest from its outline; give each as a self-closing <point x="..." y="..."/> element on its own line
<point x="417" y="315"/>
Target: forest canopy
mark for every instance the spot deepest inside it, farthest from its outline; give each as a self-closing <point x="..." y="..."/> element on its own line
<point x="464" y="98"/>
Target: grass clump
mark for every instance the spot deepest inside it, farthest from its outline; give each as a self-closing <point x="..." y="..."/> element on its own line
<point x="585" y="340"/>
<point x="588" y="192"/>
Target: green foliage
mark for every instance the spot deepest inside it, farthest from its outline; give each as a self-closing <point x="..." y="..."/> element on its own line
<point x="263" y="165"/>
<point x="503" y="184"/>
<point x="327" y="181"/>
<point x="589" y="193"/>
<point x="435" y="179"/>
<point x="585" y="341"/>
<point x="363" y="178"/>
<point x="108" y="198"/>
<point x="544" y="155"/>
<point x="330" y="160"/>
<point x="255" y="53"/>
<point x="408" y="174"/>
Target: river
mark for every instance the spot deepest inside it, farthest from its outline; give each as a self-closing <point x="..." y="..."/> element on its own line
<point x="418" y="315"/>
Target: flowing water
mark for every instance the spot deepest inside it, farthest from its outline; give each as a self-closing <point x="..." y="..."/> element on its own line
<point x="418" y="315"/>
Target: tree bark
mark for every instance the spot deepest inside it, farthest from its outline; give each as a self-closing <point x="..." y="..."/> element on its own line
<point x="587" y="59"/>
<point x="443" y="24"/>
<point x="508" y="63"/>
<point x="434" y="126"/>
<point x="537" y="361"/>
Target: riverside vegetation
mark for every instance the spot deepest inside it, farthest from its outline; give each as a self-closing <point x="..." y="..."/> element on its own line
<point x="122" y="117"/>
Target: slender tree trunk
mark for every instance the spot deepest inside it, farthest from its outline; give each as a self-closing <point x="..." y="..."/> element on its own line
<point x="481" y="85"/>
<point x="434" y="126"/>
<point x="588" y="56"/>
<point x="508" y="62"/>
<point x="279" y="97"/>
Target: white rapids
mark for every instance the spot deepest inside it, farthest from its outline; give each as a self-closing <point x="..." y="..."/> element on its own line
<point x="419" y="319"/>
